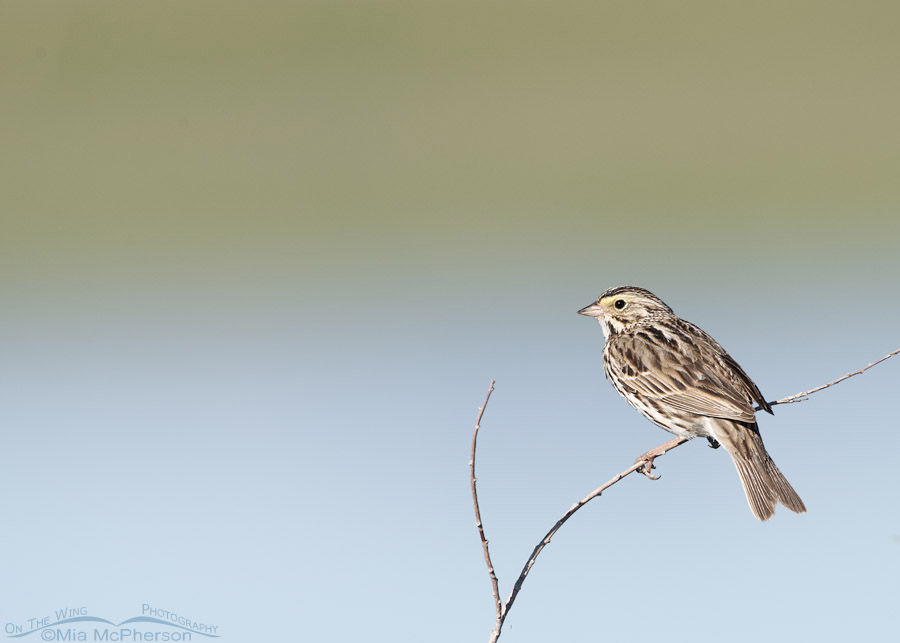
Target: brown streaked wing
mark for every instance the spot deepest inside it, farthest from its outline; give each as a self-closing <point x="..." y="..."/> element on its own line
<point x="732" y="367"/>
<point x="659" y="371"/>
<point x="751" y="387"/>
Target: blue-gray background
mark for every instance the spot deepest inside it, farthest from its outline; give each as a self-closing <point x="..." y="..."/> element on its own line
<point x="259" y="262"/>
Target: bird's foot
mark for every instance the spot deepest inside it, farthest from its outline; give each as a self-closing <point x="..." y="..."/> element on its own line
<point x="713" y="444"/>
<point x="646" y="460"/>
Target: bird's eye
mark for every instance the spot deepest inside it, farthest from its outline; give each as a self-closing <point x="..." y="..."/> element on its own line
<point x="620" y="304"/>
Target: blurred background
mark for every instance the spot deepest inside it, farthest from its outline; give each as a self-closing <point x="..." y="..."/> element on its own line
<point x="260" y="261"/>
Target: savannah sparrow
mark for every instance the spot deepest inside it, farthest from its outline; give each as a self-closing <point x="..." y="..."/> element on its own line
<point x="681" y="379"/>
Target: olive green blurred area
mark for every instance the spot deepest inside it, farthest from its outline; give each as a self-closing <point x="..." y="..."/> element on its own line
<point x="138" y="136"/>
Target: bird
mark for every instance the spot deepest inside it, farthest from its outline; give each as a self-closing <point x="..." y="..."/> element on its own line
<point x="683" y="381"/>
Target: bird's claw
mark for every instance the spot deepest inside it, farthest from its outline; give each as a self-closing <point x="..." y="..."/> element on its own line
<point x="646" y="467"/>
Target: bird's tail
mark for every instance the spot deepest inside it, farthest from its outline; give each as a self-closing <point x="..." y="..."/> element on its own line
<point x="763" y="482"/>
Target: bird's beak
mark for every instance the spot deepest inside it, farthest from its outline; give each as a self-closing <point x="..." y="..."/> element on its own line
<point x="594" y="310"/>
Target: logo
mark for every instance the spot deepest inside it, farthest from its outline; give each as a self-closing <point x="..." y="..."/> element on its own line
<point x="78" y="624"/>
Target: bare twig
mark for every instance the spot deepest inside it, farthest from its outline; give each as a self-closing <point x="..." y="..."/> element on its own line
<point x="546" y="540"/>
<point x="801" y="397"/>
<point x="644" y="464"/>
<point x="484" y="542"/>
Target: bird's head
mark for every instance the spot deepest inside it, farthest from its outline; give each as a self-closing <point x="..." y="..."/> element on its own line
<point x="618" y="309"/>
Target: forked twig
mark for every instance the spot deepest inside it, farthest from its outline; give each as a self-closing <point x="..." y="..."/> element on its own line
<point x="643" y="464"/>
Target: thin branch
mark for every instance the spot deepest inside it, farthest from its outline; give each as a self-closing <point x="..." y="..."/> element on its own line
<point x="495" y="587"/>
<point x="546" y="540"/>
<point x="644" y="464"/>
<point x="801" y="397"/>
